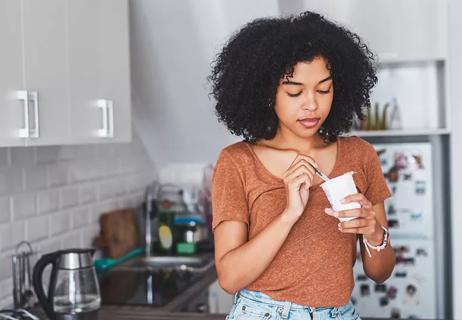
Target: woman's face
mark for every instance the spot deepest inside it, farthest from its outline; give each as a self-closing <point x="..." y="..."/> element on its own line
<point x="303" y="101"/>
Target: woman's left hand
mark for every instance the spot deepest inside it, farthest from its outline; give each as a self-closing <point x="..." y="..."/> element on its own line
<point x="365" y="223"/>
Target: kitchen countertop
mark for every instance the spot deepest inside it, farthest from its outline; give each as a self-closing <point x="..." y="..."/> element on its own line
<point x="138" y="313"/>
<point x="144" y="313"/>
<point x="135" y="313"/>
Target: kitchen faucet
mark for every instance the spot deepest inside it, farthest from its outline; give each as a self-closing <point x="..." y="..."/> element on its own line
<point x="149" y="197"/>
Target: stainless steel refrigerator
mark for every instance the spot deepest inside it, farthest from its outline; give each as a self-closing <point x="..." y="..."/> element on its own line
<point x="415" y="290"/>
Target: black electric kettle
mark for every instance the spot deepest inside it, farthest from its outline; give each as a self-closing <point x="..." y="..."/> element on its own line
<point x="73" y="289"/>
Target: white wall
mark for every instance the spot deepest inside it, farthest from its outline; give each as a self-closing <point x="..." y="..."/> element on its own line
<point x="173" y="43"/>
<point x="53" y="196"/>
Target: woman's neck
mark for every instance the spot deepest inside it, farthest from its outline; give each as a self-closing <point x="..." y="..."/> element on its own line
<point x="301" y="145"/>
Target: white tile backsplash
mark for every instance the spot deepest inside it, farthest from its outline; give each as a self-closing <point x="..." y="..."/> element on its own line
<point x="72" y="240"/>
<point x="87" y="193"/>
<point x="4" y="157"/>
<point x="24" y="206"/>
<point x="68" y="197"/>
<point x="81" y="217"/>
<point x="111" y="188"/>
<point x="11" y="180"/>
<point x="37" y="228"/>
<point x="53" y="196"/>
<point x="47" y="200"/>
<point x="60" y="222"/>
<point x="4" y="209"/>
<point x="35" y="178"/>
<point x="48" y="154"/>
<point x="11" y="234"/>
<point x="5" y="267"/>
<point x="58" y="175"/>
<point x="86" y="170"/>
<point x="23" y="157"/>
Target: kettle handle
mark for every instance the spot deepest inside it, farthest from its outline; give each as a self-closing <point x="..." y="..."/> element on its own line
<point x="45" y="301"/>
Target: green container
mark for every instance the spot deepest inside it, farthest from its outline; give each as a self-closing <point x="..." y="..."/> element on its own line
<point x="186" y="248"/>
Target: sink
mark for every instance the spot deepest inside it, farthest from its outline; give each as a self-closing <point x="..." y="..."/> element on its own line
<point x="184" y="263"/>
<point x="158" y="281"/>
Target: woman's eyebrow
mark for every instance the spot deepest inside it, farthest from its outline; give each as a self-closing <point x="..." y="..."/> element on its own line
<point x="292" y="83"/>
<point x="295" y="83"/>
<point x="324" y="80"/>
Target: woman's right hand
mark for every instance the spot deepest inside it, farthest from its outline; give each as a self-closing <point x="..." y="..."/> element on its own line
<point x="298" y="179"/>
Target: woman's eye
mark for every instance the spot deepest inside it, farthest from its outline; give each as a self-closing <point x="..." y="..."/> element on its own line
<point x="323" y="91"/>
<point x="294" y="94"/>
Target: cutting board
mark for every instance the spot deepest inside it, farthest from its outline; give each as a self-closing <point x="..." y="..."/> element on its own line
<point x="119" y="233"/>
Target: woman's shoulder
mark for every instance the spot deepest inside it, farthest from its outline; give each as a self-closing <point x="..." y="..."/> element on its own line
<point x="356" y="144"/>
<point x="356" y="150"/>
<point x="238" y="152"/>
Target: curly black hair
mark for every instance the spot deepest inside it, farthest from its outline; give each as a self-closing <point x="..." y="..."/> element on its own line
<point x="246" y="73"/>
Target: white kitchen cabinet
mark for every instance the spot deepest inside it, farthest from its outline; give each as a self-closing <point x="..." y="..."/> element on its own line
<point x="69" y="63"/>
<point x="45" y="70"/>
<point x="11" y="109"/>
<point x="403" y="30"/>
<point x="114" y="65"/>
<point x="99" y="74"/>
<point x="85" y="116"/>
<point x="396" y="30"/>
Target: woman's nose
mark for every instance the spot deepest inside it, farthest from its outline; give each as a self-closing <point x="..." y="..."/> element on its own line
<point x="310" y="103"/>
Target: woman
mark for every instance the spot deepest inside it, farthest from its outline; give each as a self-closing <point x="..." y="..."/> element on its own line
<point x="291" y="86"/>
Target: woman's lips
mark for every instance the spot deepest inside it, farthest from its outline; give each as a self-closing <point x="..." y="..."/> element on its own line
<point x="309" y="122"/>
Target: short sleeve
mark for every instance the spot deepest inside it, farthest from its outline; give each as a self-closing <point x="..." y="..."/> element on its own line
<point x="229" y="201"/>
<point x="377" y="188"/>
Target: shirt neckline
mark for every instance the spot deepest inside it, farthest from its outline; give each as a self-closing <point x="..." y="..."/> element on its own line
<point x="278" y="179"/>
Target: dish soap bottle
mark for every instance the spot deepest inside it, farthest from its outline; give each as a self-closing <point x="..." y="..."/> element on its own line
<point x="165" y="230"/>
<point x="171" y="205"/>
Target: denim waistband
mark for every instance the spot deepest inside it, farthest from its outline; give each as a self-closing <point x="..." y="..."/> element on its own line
<point x="283" y="306"/>
<point x="264" y="298"/>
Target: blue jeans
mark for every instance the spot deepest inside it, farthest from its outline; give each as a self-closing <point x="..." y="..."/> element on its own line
<point x="254" y="305"/>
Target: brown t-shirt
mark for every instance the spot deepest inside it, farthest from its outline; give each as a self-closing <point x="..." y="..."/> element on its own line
<point x="314" y="266"/>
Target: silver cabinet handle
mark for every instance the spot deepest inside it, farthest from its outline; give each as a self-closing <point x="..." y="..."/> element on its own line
<point x="104" y="131"/>
<point x="110" y="106"/>
<point x="23" y="95"/>
<point x="35" y="132"/>
<point x="27" y="131"/>
<point x="107" y="129"/>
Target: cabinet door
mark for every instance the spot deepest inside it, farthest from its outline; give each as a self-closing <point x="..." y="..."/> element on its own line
<point x="114" y="65"/>
<point x="99" y="71"/>
<point x="11" y="109"/>
<point x="396" y="30"/>
<point x="402" y="30"/>
<point x="84" y="49"/>
<point x="45" y="69"/>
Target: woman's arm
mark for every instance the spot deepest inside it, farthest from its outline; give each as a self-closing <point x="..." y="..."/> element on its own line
<point x="369" y="221"/>
<point x="240" y="262"/>
<point x="380" y="266"/>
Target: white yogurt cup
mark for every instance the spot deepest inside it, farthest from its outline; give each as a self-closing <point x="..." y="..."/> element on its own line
<point x="336" y="189"/>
